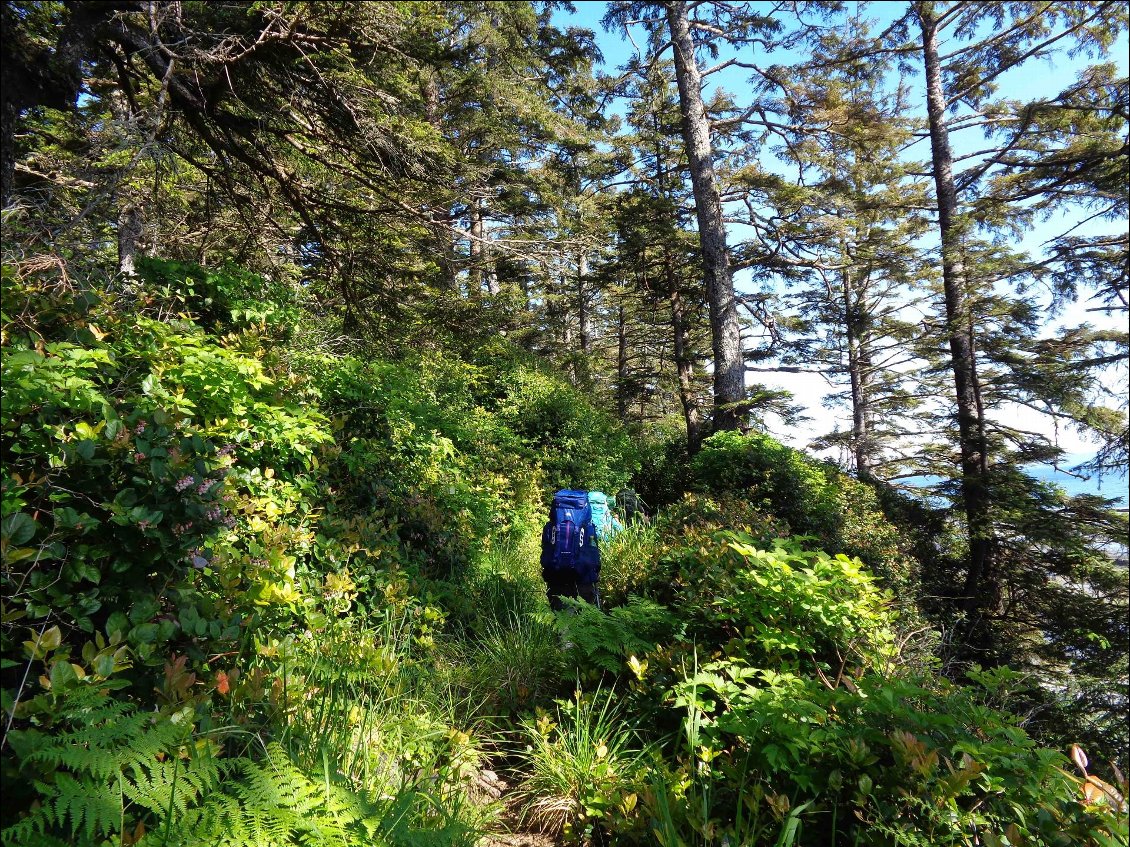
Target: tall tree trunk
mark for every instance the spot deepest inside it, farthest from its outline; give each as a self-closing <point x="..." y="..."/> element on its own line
<point x="10" y="114"/>
<point x="980" y="590"/>
<point x="560" y="311"/>
<point x="680" y="333"/>
<point x="622" y="364"/>
<point x="131" y="203"/>
<point x="583" y="303"/>
<point x="444" y="238"/>
<point x="725" y="329"/>
<point x="475" y="212"/>
<point x="683" y="365"/>
<point x="857" y="362"/>
<point x="130" y="225"/>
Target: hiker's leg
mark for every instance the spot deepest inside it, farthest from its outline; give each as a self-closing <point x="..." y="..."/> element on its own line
<point x="558" y="586"/>
<point x="589" y="593"/>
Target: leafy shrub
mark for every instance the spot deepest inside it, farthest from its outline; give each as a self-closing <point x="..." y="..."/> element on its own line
<point x="665" y="467"/>
<point x="778" y="604"/>
<point x="220" y="300"/>
<point x="813" y="498"/>
<point x="626" y="558"/>
<point x="872" y="761"/>
<point x="137" y="458"/>
<point x="576" y="445"/>
<point x="605" y="642"/>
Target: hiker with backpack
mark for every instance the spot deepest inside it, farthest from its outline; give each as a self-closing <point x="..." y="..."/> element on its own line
<point x="570" y="556"/>
<point x="607" y="524"/>
<point x="632" y="506"/>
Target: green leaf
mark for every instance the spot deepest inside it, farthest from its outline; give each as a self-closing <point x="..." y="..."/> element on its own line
<point x="145" y="633"/>
<point x="17" y="529"/>
<point x="61" y="673"/>
<point x="117" y="622"/>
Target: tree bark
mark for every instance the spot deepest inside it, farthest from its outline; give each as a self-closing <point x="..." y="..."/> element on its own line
<point x="583" y="303"/>
<point x="858" y="365"/>
<point x="683" y="365"/>
<point x="130" y="226"/>
<point x="475" y="213"/>
<point x="622" y="364"/>
<point x="980" y="589"/>
<point x="729" y="366"/>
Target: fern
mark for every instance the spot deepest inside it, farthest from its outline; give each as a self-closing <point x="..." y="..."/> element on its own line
<point x="275" y="803"/>
<point x="106" y="768"/>
<point x="104" y="762"/>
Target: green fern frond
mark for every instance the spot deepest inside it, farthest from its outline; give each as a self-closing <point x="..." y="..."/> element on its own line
<point x="173" y="783"/>
<point x="31" y="831"/>
<point x="105" y="763"/>
<point x="274" y="803"/>
<point x="94" y="808"/>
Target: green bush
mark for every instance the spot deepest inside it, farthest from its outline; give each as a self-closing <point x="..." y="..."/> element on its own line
<point x="779" y="605"/>
<point x="813" y="498"/>
<point x="870" y="761"/>
<point x="220" y="300"/>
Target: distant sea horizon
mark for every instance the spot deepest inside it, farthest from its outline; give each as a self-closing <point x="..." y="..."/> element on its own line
<point x="1111" y="486"/>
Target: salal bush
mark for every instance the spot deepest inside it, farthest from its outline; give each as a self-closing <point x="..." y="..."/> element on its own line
<point x="156" y="484"/>
<point x="776" y="604"/>
<point x="772" y="758"/>
<point x="812" y="498"/>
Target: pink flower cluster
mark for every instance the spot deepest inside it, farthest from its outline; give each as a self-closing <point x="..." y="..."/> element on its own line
<point x="184" y="482"/>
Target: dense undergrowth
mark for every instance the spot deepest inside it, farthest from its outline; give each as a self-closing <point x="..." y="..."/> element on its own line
<point x="256" y="592"/>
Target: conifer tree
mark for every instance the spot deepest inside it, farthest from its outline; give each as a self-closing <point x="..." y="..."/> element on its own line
<point x="959" y="88"/>
<point x="656" y="250"/>
<point x="842" y="233"/>
<point x="686" y="28"/>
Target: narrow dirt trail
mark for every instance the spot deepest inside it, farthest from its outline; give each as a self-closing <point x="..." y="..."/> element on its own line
<point x="490" y="785"/>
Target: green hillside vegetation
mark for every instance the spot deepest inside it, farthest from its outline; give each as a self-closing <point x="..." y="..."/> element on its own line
<point x="308" y="309"/>
<point x="260" y="593"/>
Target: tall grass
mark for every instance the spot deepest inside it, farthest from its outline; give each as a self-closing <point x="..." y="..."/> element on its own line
<point x="581" y="767"/>
<point x="626" y="560"/>
<point x="381" y="725"/>
<point x="511" y="665"/>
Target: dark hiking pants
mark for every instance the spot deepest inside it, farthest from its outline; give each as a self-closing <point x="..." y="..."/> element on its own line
<point x="566" y="585"/>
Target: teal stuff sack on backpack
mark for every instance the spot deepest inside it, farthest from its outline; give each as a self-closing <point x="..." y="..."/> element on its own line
<point x="568" y="540"/>
<point x="602" y="515"/>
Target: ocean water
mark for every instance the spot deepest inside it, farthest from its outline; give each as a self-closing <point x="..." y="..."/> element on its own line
<point x="1111" y="486"/>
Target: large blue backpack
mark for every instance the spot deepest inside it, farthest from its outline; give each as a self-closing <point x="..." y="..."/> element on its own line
<point x="568" y="540"/>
